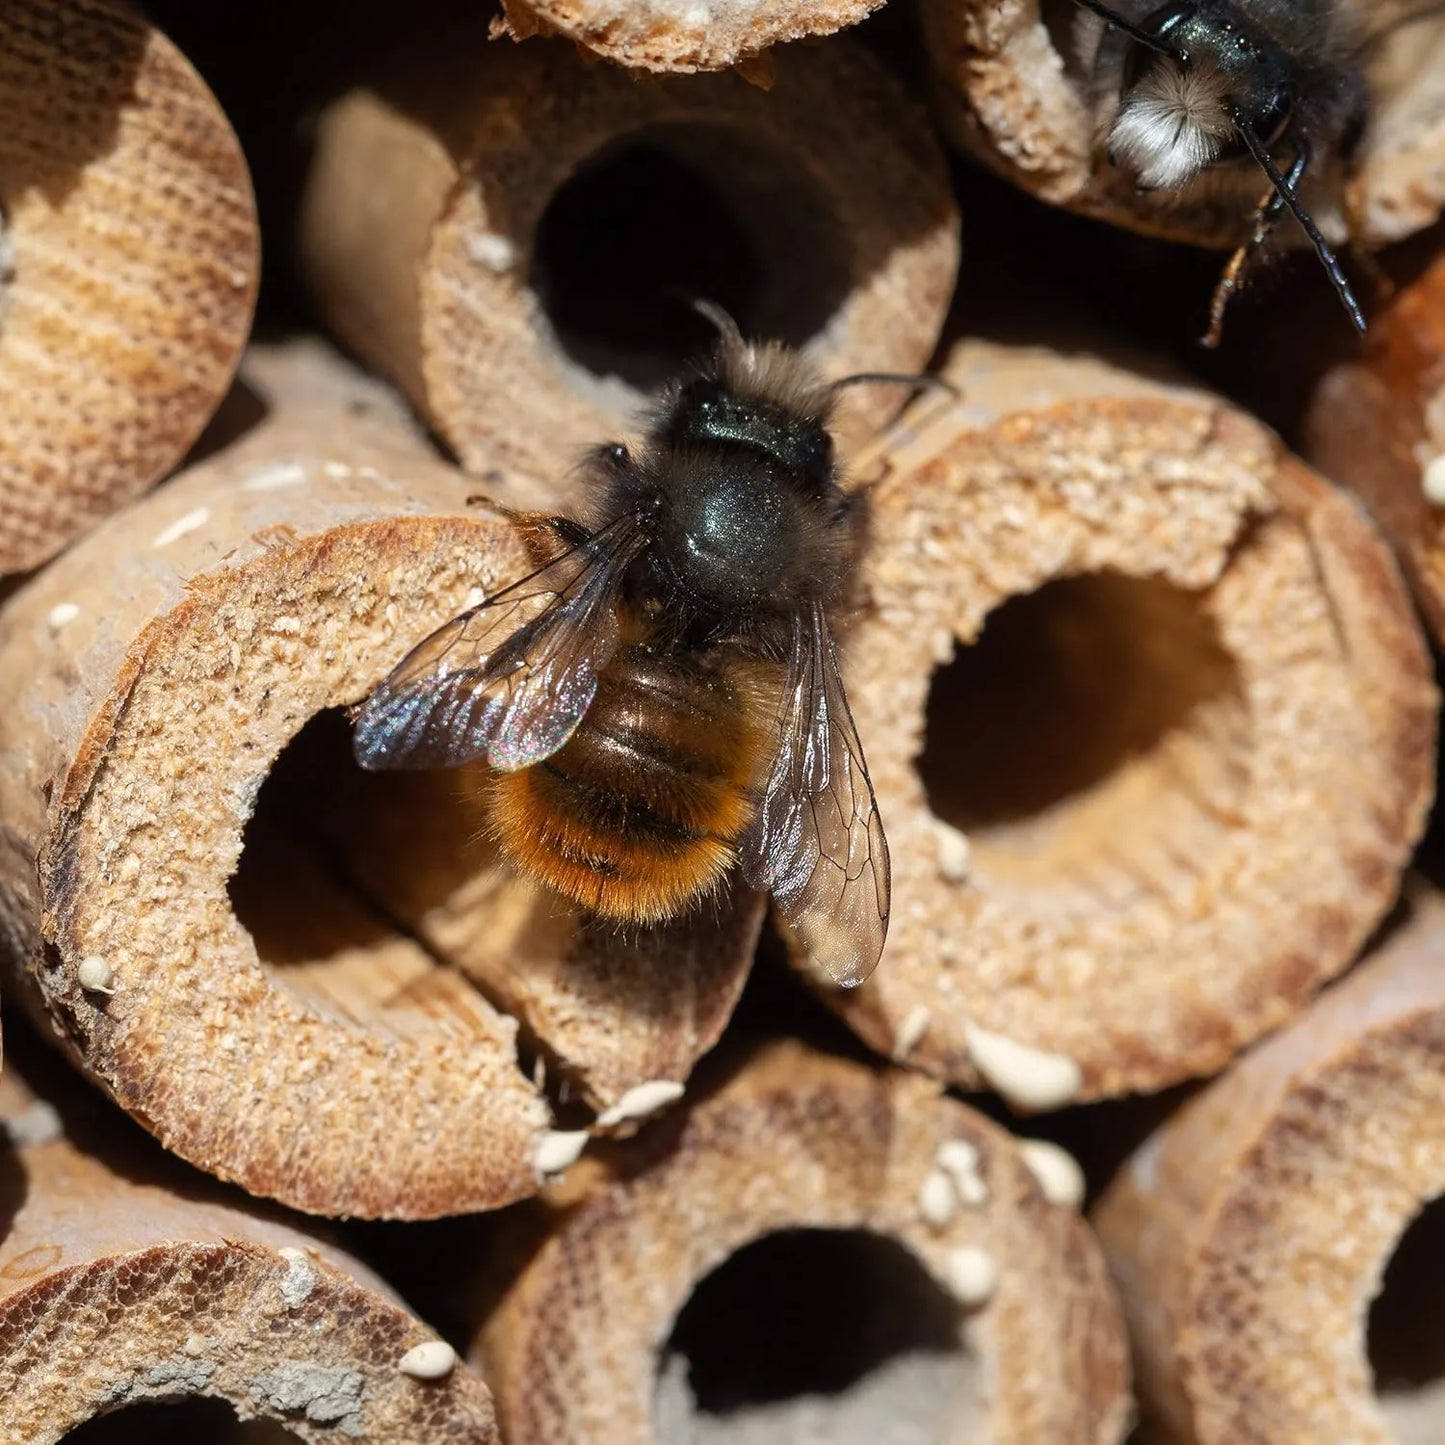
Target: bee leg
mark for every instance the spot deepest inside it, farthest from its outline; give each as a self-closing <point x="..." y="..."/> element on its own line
<point x="1266" y="217"/>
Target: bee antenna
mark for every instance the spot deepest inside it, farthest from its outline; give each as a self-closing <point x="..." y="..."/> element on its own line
<point x="727" y="328"/>
<point x="1127" y="26"/>
<point x="1288" y="195"/>
<point x="917" y="379"/>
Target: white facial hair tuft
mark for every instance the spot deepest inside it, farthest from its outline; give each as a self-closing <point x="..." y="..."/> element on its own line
<point x="1171" y="124"/>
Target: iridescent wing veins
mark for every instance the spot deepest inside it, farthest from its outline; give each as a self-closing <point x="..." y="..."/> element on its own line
<point x="510" y="679"/>
<point x="816" y="842"/>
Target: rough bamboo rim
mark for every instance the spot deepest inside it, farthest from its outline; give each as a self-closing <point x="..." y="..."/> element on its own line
<point x="665" y="36"/>
<point x="366" y="1066"/>
<point x="1378" y="425"/>
<point x="597" y="1270"/>
<point x="1251" y="1232"/>
<point x="125" y="1279"/>
<point x="1205" y="692"/>
<point x="430" y="191"/>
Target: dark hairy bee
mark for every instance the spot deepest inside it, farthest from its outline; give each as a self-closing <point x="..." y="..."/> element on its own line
<point x="1191" y="85"/>
<point x="660" y="699"/>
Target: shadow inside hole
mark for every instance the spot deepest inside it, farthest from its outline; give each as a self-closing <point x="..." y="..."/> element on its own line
<point x="1406" y="1335"/>
<point x="1069" y="686"/>
<point x="816" y="1330"/>
<point x="673" y="213"/>
<point x="197" y="1421"/>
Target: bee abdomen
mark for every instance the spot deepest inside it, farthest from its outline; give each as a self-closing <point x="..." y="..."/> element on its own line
<point x="638" y="814"/>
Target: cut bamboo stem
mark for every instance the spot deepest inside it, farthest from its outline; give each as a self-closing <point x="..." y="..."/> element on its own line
<point x="128" y="264"/>
<point x="936" y="1223"/>
<point x="514" y="236"/>
<point x="1251" y="1232"/>
<point x="1011" y="78"/>
<point x="664" y="35"/>
<point x="1151" y="724"/>
<point x="125" y="1279"/>
<point x="287" y="1001"/>
<point x="1378" y="425"/>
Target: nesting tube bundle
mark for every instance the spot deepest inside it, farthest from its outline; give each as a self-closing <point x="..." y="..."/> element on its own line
<point x="128" y="264"/>
<point x="1250" y="1233"/>
<point x="288" y="978"/>
<point x="1012" y="81"/>
<point x="124" y="1279"/>
<point x="682" y="37"/>
<point x="1378" y="425"/>
<point x="514" y="236"/>
<point x="1151" y="725"/>
<point x="1027" y="1344"/>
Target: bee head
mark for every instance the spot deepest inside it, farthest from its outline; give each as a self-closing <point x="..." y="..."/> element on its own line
<point x="1194" y="74"/>
<point x="745" y="484"/>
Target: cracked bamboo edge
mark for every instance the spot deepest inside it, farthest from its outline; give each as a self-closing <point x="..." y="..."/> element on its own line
<point x="1011" y="93"/>
<point x="797" y="1140"/>
<point x="422" y="205"/>
<point x="1191" y="893"/>
<point x="370" y="1065"/>
<point x="682" y="37"/>
<point x="125" y="1279"/>
<point x="130" y="265"/>
<point x="1249" y="1234"/>
<point x="1378" y="425"/>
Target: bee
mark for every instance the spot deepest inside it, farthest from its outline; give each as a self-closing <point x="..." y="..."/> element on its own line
<point x="1191" y="85"/>
<point x="660" y="701"/>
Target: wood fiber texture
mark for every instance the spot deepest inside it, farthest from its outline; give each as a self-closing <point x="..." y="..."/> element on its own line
<point x="673" y="35"/>
<point x="129" y="260"/>
<point x="1249" y="1234"/>
<point x="420" y="224"/>
<point x="1377" y="424"/>
<point x="596" y="1270"/>
<point x="124" y="1278"/>
<point x="1205" y="694"/>
<point x="303" y="1006"/>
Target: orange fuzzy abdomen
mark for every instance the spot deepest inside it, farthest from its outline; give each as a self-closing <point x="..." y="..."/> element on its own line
<point x="638" y="815"/>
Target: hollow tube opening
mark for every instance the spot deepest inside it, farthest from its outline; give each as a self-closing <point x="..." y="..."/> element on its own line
<point x="674" y="212"/>
<point x="1096" y="729"/>
<point x="818" y="1334"/>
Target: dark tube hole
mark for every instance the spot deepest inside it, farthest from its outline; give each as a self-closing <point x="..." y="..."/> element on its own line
<point x="813" y="1334"/>
<point x="675" y="212"/>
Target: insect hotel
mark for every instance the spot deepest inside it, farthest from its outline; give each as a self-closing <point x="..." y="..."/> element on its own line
<point x="675" y="767"/>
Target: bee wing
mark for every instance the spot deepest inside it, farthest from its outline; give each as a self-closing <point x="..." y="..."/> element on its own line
<point x="510" y="679"/>
<point x="816" y="842"/>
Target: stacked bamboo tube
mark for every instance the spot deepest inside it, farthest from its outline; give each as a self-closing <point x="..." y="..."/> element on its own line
<point x="128" y="265"/>
<point x="1011" y="80"/>
<point x="1251" y="1232"/>
<point x="123" y="1280"/>
<point x="1150" y="719"/>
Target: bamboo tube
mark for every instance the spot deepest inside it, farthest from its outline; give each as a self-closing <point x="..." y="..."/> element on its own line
<point x="128" y="264"/>
<point x="289" y="1030"/>
<point x="1378" y="425"/>
<point x="667" y="36"/>
<point x="973" y="1308"/>
<point x="126" y="1279"/>
<point x="1150" y="721"/>
<point x="1250" y="1233"/>
<point x="1011" y="81"/>
<point x="512" y="235"/>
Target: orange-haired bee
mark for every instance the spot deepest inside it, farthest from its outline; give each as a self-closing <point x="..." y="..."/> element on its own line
<point x="660" y="700"/>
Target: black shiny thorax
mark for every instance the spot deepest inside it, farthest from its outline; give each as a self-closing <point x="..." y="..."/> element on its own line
<point x="745" y="518"/>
